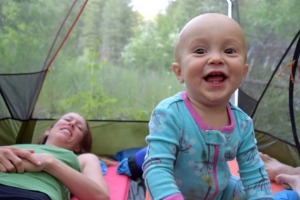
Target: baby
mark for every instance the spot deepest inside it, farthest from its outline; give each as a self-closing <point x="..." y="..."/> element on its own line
<point x="194" y="133"/>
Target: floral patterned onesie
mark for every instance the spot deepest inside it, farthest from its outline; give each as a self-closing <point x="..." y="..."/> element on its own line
<point x="188" y="158"/>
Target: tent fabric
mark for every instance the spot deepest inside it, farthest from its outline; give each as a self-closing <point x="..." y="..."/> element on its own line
<point x="247" y="103"/>
<point x="17" y="101"/>
<point x="278" y="148"/>
<point x="279" y="139"/>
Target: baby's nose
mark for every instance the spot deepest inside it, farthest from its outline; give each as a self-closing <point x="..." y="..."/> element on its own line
<point x="216" y="58"/>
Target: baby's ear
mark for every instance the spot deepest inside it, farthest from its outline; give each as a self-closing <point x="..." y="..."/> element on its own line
<point x="246" y="69"/>
<point x="177" y="71"/>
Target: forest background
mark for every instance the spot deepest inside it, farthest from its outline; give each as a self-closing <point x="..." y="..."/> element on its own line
<point x="117" y="65"/>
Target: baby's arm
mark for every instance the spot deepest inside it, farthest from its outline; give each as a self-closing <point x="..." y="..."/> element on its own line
<point x="274" y="167"/>
<point x="251" y="168"/>
<point x="162" y="142"/>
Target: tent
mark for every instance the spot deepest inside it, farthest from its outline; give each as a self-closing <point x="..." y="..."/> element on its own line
<point x="28" y="89"/>
<point x="282" y="143"/>
<point x="20" y="91"/>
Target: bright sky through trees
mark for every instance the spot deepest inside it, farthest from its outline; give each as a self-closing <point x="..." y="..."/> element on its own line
<point x="149" y="8"/>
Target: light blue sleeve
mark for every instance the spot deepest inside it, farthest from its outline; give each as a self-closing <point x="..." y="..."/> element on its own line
<point x="163" y="142"/>
<point x="251" y="168"/>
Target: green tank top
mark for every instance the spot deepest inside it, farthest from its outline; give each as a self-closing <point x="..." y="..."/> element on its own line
<point x="42" y="181"/>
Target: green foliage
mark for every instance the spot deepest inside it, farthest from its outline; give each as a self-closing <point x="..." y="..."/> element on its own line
<point x="148" y="50"/>
<point x="271" y="18"/>
<point x="117" y="19"/>
<point x="153" y="42"/>
<point x="22" y="36"/>
<point x="138" y="91"/>
<point x="95" y="104"/>
<point x="180" y="12"/>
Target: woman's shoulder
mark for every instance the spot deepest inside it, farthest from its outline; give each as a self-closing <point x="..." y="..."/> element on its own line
<point x="88" y="159"/>
<point x="88" y="156"/>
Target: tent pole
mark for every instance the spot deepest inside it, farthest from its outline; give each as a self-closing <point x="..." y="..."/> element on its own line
<point x="229" y="10"/>
<point x="291" y="94"/>
<point x="234" y="97"/>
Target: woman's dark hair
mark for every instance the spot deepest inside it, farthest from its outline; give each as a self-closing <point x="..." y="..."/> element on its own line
<point x="86" y="142"/>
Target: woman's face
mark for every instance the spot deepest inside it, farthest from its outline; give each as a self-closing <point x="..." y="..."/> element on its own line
<point x="67" y="132"/>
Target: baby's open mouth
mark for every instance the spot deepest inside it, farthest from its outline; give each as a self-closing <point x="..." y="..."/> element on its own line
<point x="215" y="77"/>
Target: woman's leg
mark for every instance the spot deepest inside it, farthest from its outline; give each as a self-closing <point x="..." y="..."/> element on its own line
<point x="13" y="193"/>
<point x="274" y="167"/>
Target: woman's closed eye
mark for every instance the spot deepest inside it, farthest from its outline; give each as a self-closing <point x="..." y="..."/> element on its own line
<point x="79" y="127"/>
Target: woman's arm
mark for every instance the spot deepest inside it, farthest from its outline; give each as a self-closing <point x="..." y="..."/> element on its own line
<point x="11" y="159"/>
<point x="88" y="185"/>
<point x="91" y="168"/>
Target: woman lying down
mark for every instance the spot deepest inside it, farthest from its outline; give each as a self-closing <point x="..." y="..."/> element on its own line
<point x="57" y="167"/>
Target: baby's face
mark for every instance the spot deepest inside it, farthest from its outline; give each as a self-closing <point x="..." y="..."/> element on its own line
<point x="211" y="58"/>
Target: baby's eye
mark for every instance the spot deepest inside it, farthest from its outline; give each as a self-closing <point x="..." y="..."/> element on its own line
<point x="200" y="51"/>
<point x="229" y="51"/>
